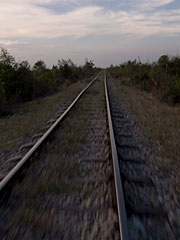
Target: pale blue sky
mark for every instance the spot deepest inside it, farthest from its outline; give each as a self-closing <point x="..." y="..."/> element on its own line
<point x="108" y="32"/>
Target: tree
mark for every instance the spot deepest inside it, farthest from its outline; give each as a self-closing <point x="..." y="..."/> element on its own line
<point x="66" y="68"/>
<point x="164" y="61"/>
<point x="2" y="97"/>
<point x="26" y="82"/>
<point x="89" y="65"/>
<point x="7" y="59"/>
<point x="39" y="66"/>
<point x="8" y="78"/>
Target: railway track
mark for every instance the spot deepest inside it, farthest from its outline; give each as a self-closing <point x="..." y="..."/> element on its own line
<point x="74" y="187"/>
<point x="67" y="191"/>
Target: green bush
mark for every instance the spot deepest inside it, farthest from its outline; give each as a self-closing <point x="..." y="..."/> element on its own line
<point x="2" y="98"/>
<point x="162" y="77"/>
<point x="19" y="83"/>
<point x="141" y="78"/>
<point x="171" y="92"/>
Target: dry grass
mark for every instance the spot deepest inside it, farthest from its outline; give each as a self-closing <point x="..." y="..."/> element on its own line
<point x="29" y="118"/>
<point x="160" y="121"/>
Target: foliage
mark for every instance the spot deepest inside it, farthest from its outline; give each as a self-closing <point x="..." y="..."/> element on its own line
<point x="161" y="77"/>
<point x="88" y="66"/>
<point x="19" y="83"/>
<point x="2" y="97"/>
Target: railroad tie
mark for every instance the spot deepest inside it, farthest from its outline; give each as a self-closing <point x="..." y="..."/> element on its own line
<point x="27" y="145"/>
<point x="14" y="158"/>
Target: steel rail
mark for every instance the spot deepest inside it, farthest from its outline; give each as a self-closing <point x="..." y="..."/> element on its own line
<point x="28" y="155"/>
<point x="118" y="183"/>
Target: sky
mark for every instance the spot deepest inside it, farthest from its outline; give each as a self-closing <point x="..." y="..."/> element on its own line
<point x="105" y="31"/>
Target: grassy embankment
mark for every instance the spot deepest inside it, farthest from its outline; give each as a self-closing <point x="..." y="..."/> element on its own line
<point x="152" y="91"/>
<point x="29" y="118"/>
<point x="160" y="121"/>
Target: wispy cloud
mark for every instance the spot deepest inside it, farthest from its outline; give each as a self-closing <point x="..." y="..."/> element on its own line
<point x="11" y="43"/>
<point x="28" y="19"/>
<point x="146" y="4"/>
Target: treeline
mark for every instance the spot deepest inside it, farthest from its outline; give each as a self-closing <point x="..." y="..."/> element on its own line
<point x="20" y="83"/>
<point x="161" y="77"/>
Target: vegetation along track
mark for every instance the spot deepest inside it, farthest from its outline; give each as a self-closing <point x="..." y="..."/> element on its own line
<point x="36" y="141"/>
<point x="67" y="192"/>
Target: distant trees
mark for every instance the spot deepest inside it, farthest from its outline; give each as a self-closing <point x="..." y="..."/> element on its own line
<point x="161" y="77"/>
<point x="67" y="69"/>
<point x="8" y="82"/>
<point x="89" y="65"/>
<point x="20" y="83"/>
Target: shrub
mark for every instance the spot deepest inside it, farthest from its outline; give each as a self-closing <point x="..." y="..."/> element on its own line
<point x="142" y="79"/>
<point x="19" y="83"/>
<point x="2" y="97"/>
<point x="171" y="91"/>
<point x="162" y="76"/>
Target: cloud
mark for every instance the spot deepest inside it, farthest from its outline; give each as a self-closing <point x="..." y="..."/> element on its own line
<point x="11" y="43"/>
<point x="146" y="4"/>
<point x="26" y="19"/>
